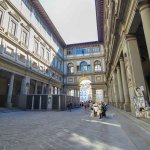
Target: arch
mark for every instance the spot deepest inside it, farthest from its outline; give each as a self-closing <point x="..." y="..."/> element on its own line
<point x="70" y="68"/>
<point x="84" y="66"/>
<point x="83" y="78"/>
<point x="85" y="90"/>
<point x="97" y="66"/>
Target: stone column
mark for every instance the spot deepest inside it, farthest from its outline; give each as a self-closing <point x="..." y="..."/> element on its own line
<point x="43" y="86"/>
<point x="10" y="91"/>
<point x="120" y="88"/>
<point x="93" y="94"/>
<point x="125" y="86"/>
<point x="36" y="85"/>
<point x="25" y="85"/>
<point x="136" y="70"/>
<point x="145" y="16"/>
<point x="48" y="87"/>
<point x="53" y="89"/>
<point x="115" y="88"/>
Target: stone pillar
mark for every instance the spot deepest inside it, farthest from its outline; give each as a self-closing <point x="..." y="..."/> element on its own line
<point x="125" y="86"/>
<point x="145" y="16"/>
<point x="10" y="91"/>
<point x="120" y="88"/>
<point x="25" y="85"/>
<point x="56" y="90"/>
<point x="36" y="85"/>
<point x="115" y="88"/>
<point x="136" y="70"/>
<point x="53" y="89"/>
<point x="93" y="94"/>
<point x="43" y="86"/>
<point x="48" y="87"/>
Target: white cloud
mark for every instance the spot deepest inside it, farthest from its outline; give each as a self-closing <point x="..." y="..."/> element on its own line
<point x="74" y="19"/>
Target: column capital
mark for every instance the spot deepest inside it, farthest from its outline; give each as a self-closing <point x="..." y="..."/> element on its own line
<point x="143" y="4"/>
<point x="129" y="37"/>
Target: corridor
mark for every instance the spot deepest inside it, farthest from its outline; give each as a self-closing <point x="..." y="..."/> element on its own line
<point x="76" y="130"/>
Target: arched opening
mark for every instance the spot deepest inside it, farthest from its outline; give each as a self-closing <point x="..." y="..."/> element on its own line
<point x="97" y="66"/>
<point x="85" y="90"/>
<point x="84" y="66"/>
<point x="70" y="68"/>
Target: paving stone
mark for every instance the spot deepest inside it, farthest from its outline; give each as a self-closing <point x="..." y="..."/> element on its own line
<point x="76" y="130"/>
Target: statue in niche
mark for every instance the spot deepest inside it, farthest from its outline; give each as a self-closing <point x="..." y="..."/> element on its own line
<point x="128" y="70"/>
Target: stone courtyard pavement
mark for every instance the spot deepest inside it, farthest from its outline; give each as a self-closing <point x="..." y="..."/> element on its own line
<point x="76" y="130"/>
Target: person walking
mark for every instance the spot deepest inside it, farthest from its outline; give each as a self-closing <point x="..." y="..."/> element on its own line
<point x="70" y="106"/>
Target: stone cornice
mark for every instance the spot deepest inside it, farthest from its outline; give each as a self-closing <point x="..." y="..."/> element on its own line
<point x="3" y="4"/>
<point x="100" y="19"/>
<point x="39" y="8"/>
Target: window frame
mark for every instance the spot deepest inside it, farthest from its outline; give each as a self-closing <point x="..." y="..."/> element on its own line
<point x="12" y="20"/>
<point x="97" y="66"/>
<point x="2" y="16"/>
<point x="36" y="50"/>
<point x="70" y="68"/>
<point x="27" y="37"/>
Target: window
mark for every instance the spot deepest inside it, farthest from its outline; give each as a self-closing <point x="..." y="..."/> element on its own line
<point x="42" y="51"/>
<point x="70" y="51"/>
<point x="96" y="49"/>
<point x="97" y="66"/>
<point x="48" y="56"/>
<point x="1" y="16"/>
<point x="24" y="37"/>
<point x="36" y="46"/>
<point x="84" y="66"/>
<point x="70" y="68"/>
<point x="82" y="51"/>
<point x="12" y="27"/>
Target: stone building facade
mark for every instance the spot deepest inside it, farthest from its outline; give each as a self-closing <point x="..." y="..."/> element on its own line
<point x="31" y="51"/>
<point x="85" y="61"/>
<point x="127" y="44"/>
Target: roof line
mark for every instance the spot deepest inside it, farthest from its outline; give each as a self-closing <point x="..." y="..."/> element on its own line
<point x="100" y="19"/>
<point x="41" y="11"/>
<point x="84" y="43"/>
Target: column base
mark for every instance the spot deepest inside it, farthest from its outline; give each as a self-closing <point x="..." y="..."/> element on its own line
<point x="121" y="105"/>
<point x="127" y="107"/>
<point x="9" y="105"/>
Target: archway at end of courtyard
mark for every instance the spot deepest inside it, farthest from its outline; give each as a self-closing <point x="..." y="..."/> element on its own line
<point x="85" y="90"/>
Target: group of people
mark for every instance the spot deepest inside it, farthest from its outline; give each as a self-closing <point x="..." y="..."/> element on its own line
<point x="99" y="109"/>
<point x="85" y="104"/>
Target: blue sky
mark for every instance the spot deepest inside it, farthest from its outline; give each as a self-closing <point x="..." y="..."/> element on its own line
<point x="74" y="19"/>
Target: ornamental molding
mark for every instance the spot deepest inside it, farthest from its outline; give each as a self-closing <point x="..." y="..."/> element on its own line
<point x="3" y="4"/>
<point x="15" y="16"/>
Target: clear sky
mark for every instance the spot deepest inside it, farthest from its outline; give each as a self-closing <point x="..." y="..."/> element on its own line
<point x="74" y="19"/>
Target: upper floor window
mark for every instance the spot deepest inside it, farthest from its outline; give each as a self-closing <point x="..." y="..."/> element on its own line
<point x="12" y="27"/>
<point x="70" y="68"/>
<point x="25" y="37"/>
<point x="96" y="49"/>
<point x="42" y="51"/>
<point x="82" y="51"/>
<point x="97" y="66"/>
<point x="36" y="46"/>
<point x="48" y="55"/>
<point x="84" y="66"/>
<point x="1" y="16"/>
<point x="70" y="51"/>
